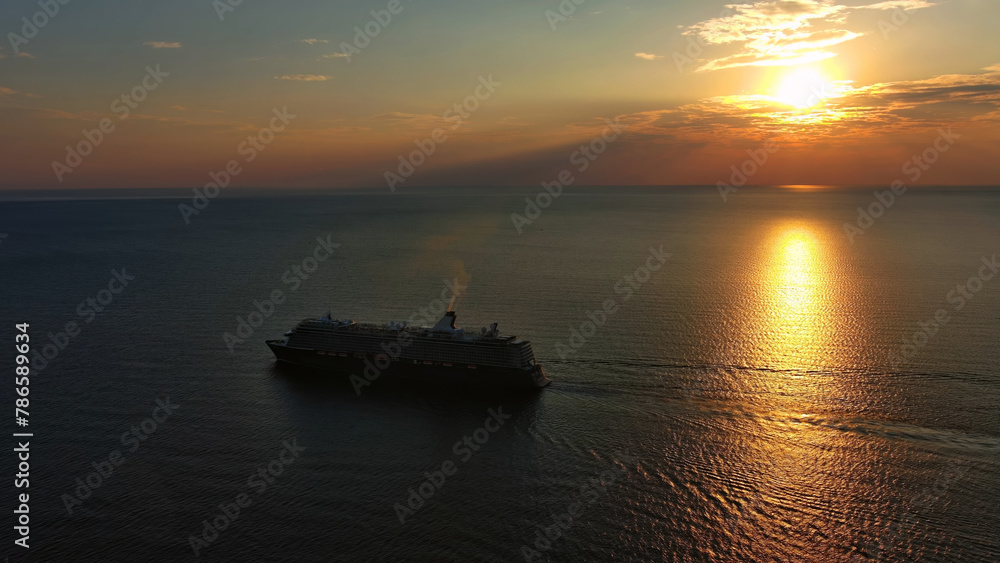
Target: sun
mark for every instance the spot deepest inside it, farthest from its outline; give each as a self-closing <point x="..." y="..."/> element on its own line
<point x="803" y="89"/>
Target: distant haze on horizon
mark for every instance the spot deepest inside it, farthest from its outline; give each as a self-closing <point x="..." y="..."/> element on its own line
<point x="485" y="94"/>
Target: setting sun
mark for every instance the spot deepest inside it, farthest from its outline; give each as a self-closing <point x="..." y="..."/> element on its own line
<point x="803" y="89"/>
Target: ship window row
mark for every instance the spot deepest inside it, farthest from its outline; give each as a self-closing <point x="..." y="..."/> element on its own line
<point x="421" y="350"/>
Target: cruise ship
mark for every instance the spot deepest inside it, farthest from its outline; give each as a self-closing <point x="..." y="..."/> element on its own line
<point x="441" y="353"/>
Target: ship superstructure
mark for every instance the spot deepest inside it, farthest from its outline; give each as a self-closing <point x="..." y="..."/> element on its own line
<point x="442" y="352"/>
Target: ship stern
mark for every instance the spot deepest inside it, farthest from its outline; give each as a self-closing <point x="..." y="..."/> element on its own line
<point x="538" y="377"/>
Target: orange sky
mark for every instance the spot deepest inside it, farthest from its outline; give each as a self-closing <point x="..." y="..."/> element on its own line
<point x="848" y="92"/>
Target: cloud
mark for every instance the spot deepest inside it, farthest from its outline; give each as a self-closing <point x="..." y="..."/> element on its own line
<point x="163" y="45"/>
<point x="848" y="115"/>
<point x="648" y="56"/>
<point x="783" y="32"/>
<point x="402" y="116"/>
<point x="91" y="116"/>
<point x="23" y="54"/>
<point x="313" y="41"/>
<point x="178" y="108"/>
<point x="304" y="77"/>
<point x="335" y="56"/>
<point x="10" y="92"/>
<point x="398" y="121"/>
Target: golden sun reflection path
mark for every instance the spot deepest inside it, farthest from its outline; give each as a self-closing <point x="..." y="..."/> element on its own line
<point x="791" y="321"/>
<point x="795" y="334"/>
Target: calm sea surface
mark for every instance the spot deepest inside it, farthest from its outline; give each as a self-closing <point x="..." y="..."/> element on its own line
<point x="763" y="389"/>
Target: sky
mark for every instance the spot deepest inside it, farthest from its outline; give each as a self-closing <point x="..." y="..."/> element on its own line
<point x="402" y="93"/>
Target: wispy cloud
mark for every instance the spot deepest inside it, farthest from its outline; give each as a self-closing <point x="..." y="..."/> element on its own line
<point x="313" y="41"/>
<point x="399" y="121"/>
<point x="648" y="56"/>
<point x="783" y="32"/>
<point x="402" y="116"/>
<point x="335" y="56"/>
<point x="850" y="115"/>
<point x="178" y="108"/>
<point x="23" y="54"/>
<point x="91" y="116"/>
<point x="10" y="92"/>
<point x="163" y="45"/>
<point x="304" y="77"/>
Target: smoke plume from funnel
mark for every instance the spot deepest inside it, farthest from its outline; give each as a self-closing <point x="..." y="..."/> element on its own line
<point x="463" y="278"/>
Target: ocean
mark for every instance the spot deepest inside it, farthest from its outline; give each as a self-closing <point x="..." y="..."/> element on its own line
<point x="776" y="375"/>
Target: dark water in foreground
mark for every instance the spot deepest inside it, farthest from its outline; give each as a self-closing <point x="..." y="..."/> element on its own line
<point x="752" y="399"/>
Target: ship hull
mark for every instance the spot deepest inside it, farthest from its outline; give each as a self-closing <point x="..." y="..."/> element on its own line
<point x="370" y="368"/>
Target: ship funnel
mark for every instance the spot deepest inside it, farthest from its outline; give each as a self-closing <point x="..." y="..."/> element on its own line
<point x="446" y="324"/>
